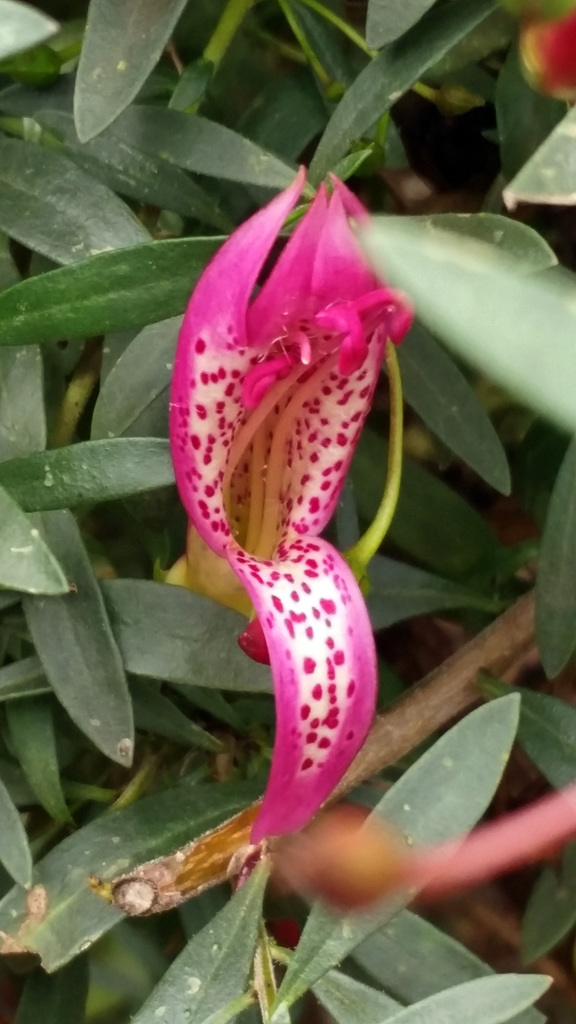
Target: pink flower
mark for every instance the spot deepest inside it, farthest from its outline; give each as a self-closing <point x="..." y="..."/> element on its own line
<point x="269" y="396"/>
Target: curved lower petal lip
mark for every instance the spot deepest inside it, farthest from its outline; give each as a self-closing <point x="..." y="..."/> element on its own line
<point x="323" y="660"/>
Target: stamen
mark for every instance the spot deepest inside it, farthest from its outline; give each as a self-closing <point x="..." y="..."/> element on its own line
<point x="261" y="377"/>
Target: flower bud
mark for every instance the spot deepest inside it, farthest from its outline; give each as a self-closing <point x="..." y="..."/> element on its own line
<point x="548" y="51"/>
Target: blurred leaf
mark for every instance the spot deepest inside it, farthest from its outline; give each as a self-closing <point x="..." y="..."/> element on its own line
<point x="556" y="577"/>
<point x="441" y="395"/>
<point x="202" y="146"/>
<point x="167" y="632"/>
<point x="117" y="841"/>
<point x="137" y="175"/>
<point x="213" y="970"/>
<point x="465" y="766"/>
<point x="57" y="999"/>
<point x="475" y="300"/>
<point x="22" y="415"/>
<point x="77" y="649"/>
<point x="511" y="238"/>
<point x="494" y="1000"/>
<point x="156" y="714"/>
<point x="548" y="177"/>
<point x="547" y="731"/>
<point x="14" y="850"/>
<point x="389" y="19"/>
<point x="393" y="956"/>
<point x="123" y="43"/>
<point x="22" y="26"/>
<point x="525" y="117"/>
<point x="109" y="292"/>
<point x="26" y="561"/>
<point x="141" y="374"/>
<point x="88" y="472"/>
<point x="23" y="678"/>
<point x="34" y="740"/>
<point x="391" y="74"/>
<point x="399" y="591"/>
<point x="432" y="522"/>
<point x="350" y="1002"/>
<point x="551" y="910"/>
<point x="51" y="206"/>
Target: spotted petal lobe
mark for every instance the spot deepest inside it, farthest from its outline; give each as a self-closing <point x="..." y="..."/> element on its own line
<point x="324" y="667"/>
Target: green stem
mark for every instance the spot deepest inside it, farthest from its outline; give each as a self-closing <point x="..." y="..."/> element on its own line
<point x="361" y="553"/>
<point x="84" y="380"/>
<point x="230" y="20"/>
<point x="340" y="24"/>
<point x="307" y="50"/>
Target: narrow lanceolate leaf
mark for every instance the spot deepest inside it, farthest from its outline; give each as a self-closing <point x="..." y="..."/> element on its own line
<point x="76" y="646"/>
<point x="122" y="44"/>
<point x="61" y="996"/>
<point x="350" y="1002"/>
<point x="441" y="395"/>
<point x="116" y="842"/>
<point x="54" y="208"/>
<point x="128" y="288"/>
<point x="548" y="177"/>
<point x="387" y="21"/>
<point x="88" y="472"/>
<point x="449" y="281"/>
<point x="21" y="26"/>
<point x="23" y="678"/>
<point x="465" y="766"/>
<point x="390" y="74"/>
<point x="22" y="415"/>
<point x="556" y="578"/>
<point x="510" y="237"/>
<point x="203" y="146"/>
<point x="155" y="713"/>
<point x="31" y="728"/>
<point x="14" y="850"/>
<point x="125" y="169"/>
<point x="26" y="561"/>
<point x="494" y="1000"/>
<point x="212" y="972"/>
<point x="166" y="632"/>
<point x="551" y="910"/>
<point x="139" y="377"/>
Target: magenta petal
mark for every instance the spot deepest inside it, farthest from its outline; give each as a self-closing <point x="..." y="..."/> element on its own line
<point x="323" y="662"/>
<point x="340" y="268"/>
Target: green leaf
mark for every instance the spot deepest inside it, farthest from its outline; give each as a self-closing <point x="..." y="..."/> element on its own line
<point x="203" y="146"/>
<point x="213" y="970"/>
<point x="350" y="1002"/>
<point x="432" y="523"/>
<point x="156" y="714"/>
<point x="26" y="561"/>
<point x="399" y="591"/>
<point x="509" y="237"/>
<point x="556" y="577"/>
<point x="77" y="649"/>
<point x="14" y="850"/>
<point x="58" y="999"/>
<point x="525" y="117"/>
<point x="127" y="288"/>
<point x="22" y="415"/>
<point x="34" y="740"/>
<point x="51" y="206"/>
<point x="166" y="632"/>
<point x="387" y="19"/>
<point x="390" y="74"/>
<point x="116" y="842"/>
<point x="465" y="766"/>
<point x="547" y="731"/>
<point x="123" y="43"/>
<point x="286" y="115"/>
<point x="8" y="272"/>
<point x="88" y="472"/>
<point x="140" y="376"/>
<point x="551" y="910"/>
<point x="480" y="304"/>
<point x="441" y="395"/>
<point x="23" y="678"/>
<point x="21" y="26"/>
<point x="494" y="1000"/>
<point x="124" y="169"/>
<point x="548" y="177"/>
<point x="393" y="957"/>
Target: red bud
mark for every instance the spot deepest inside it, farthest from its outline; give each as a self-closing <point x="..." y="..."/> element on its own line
<point x="548" y="50"/>
<point x="253" y="643"/>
